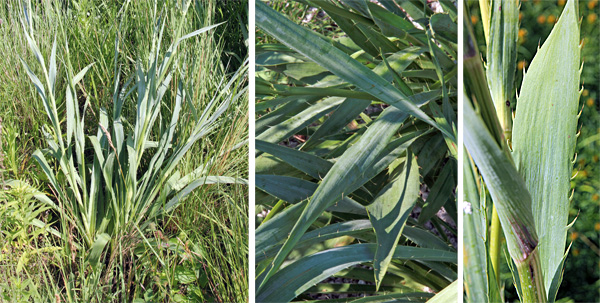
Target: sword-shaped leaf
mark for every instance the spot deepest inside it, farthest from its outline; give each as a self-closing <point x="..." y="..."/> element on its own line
<point x="544" y="135"/>
<point x="389" y="212"/>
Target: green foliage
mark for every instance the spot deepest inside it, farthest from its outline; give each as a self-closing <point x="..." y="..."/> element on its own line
<point x="113" y="265"/>
<point x="540" y="118"/>
<point x="362" y="135"/>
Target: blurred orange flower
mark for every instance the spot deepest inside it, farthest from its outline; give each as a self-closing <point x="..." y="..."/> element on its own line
<point x="591" y="18"/>
<point x="551" y="19"/>
<point x="574" y="236"/>
<point x="474" y="19"/>
<point x="592" y="4"/>
<point x="590" y="102"/>
<point x="541" y="19"/>
<point x="522" y="33"/>
<point x="521" y="64"/>
<point x="561" y="2"/>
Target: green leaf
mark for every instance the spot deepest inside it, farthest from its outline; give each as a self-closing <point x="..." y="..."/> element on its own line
<point x="205" y="180"/>
<point x="184" y="275"/>
<point x="97" y="248"/>
<point x="448" y="294"/>
<point x="475" y="253"/>
<point x="389" y="212"/>
<point x="288" y="108"/>
<point x="511" y="199"/>
<point x="81" y="74"/>
<point x="294" y="190"/>
<point x="440" y="193"/>
<point x="319" y="235"/>
<point x="274" y="58"/>
<point x="305" y="162"/>
<point x="286" y="129"/>
<point x="277" y="228"/>
<point x="444" y="27"/>
<point x="336" y="61"/>
<point x="502" y="59"/>
<point x="345" y="176"/>
<point x="425" y="238"/>
<point x="52" y="68"/>
<point x="557" y="278"/>
<point x="397" y="297"/>
<point x="544" y="135"/>
<point x="302" y="274"/>
<point x="344" y="114"/>
<point x="507" y="188"/>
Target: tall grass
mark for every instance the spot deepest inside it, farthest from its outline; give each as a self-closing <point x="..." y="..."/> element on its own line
<point x="172" y="244"/>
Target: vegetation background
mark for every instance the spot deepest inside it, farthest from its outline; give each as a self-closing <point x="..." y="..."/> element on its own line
<point x="581" y="282"/>
<point x="199" y="252"/>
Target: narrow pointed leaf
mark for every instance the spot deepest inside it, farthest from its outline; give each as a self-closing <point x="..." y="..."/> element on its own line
<point x="286" y="129"/>
<point x="304" y="273"/>
<point x="320" y="235"/>
<point x="81" y="74"/>
<point x="312" y="165"/>
<point x="294" y="190"/>
<point x="543" y="150"/>
<point x="474" y="252"/>
<point x="389" y="212"/>
<point x="52" y="68"/>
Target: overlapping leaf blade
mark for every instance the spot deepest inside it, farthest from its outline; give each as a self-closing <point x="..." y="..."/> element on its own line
<point x="303" y="273"/>
<point x="336" y="61"/>
<point x="389" y="212"/>
<point x="362" y="149"/>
